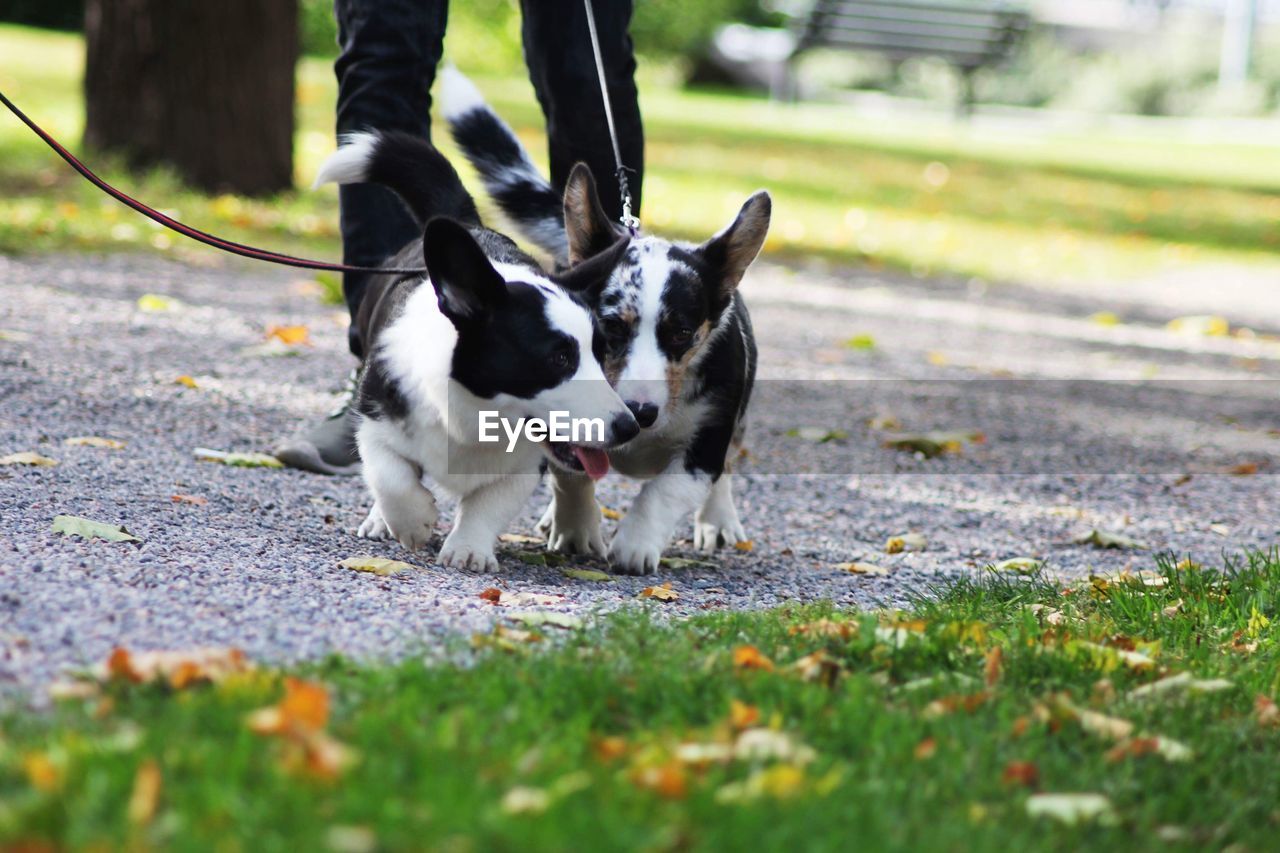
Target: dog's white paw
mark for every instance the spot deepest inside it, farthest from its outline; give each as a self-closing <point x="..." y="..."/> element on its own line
<point x="411" y="522"/>
<point x="710" y="533"/>
<point x="458" y="553"/>
<point x="543" y="527"/>
<point x="374" y="525"/>
<point x="635" y="554"/>
<point x="574" y="531"/>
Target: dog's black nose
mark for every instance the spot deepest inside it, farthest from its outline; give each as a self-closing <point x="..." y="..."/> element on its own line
<point x="624" y="428"/>
<point x="646" y="413"/>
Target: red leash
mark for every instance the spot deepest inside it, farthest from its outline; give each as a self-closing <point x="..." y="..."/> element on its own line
<point x="186" y="230"/>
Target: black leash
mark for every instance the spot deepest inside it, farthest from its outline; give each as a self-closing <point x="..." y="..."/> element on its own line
<point x="630" y="222"/>
<point x="186" y="230"/>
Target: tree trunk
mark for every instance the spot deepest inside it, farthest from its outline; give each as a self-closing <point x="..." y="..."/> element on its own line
<point x="205" y="87"/>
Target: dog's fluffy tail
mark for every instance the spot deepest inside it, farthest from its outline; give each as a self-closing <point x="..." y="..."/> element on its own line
<point x="406" y="164"/>
<point x="510" y="177"/>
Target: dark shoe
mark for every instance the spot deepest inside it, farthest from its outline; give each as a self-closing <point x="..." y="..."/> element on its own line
<point x="329" y="447"/>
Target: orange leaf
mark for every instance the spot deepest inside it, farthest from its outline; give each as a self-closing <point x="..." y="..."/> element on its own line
<point x="120" y="665"/>
<point x="491" y="595"/>
<point x="146" y="793"/>
<point x="745" y="545"/>
<point x="290" y="335"/>
<point x="610" y="748"/>
<point x="991" y="672"/>
<point x="1266" y="712"/>
<point x="303" y="709"/>
<point x="195" y="500"/>
<point x="661" y="593"/>
<point x="1021" y="773"/>
<point x="742" y="715"/>
<point x="1133" y="748"/>
<point x="42" y="773"/>
<point x="926" y="749"/>
<point x="668" y="780"/>
<point x="749" y="657"/>
<point x="956" y="702"/>
<point x="186" y="381"/>
<point x="180" y="668"/>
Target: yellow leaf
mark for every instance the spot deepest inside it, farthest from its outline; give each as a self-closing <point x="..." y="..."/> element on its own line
<point x="744" y="545"/>
<point x="289" y="335"/>
<point x="186" y="381"/>
<point x="520" y="539"/>
<point x="154" y="303"/>
<point x="661" y="593"/>
<point x="994" y="664"/>
<point x="146" y="793"/>
<point x="611" y="514"/>
<point x="937" y="358"/>
<point x="742" y="715"/>
<point x="41" y="772"/>
<point x="1201" y="325"/>
<point x="94" y="441"/>
<point x="818" y="667"/>
<point x="905" y="542"/>
<point x="380" y="566"/>
<point x="862" y="568"/>
<point x="1104" y="318"/>
<point x="749" y="657"/>
<point x="28" y="457"/>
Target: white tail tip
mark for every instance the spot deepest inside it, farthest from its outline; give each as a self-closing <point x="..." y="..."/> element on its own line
<point x="350" y="163"/>
<point x="458" y="95"/>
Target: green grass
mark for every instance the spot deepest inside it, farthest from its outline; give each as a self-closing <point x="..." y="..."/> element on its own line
<point x="912" y="738"/>
<point x="1044" y="205"/>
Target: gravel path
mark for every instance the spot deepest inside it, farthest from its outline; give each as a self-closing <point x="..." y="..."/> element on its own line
<point x="255" y="567"/>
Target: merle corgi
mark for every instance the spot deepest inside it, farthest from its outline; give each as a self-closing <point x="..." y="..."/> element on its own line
<point x="485" y="331"/>
<point x="678" y="346"/>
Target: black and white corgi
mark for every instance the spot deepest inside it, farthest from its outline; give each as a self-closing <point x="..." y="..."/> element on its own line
<point x="487" y="331"/>
<point x="679" y="346"/>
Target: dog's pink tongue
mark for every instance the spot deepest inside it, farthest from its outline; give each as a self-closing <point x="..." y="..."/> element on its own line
<point x="594" y="461"/>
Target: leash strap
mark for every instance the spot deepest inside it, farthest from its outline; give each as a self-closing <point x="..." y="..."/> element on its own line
<point x="631" y="223"/>
<point x="186" y="230"/>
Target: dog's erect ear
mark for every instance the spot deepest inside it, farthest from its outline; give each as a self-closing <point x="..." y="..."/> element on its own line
<point x="467" y="286"/>
<point x="730" y="252"/>
<point x="588" y="227"/>
<point x="589" y="277"/>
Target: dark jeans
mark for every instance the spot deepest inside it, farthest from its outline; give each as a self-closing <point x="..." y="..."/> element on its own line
<point x="390" y="50"/>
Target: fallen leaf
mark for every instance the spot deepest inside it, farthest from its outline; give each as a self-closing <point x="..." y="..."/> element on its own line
<point x="1072" y="809"/>
<point x="818" y="667"/>
<point x="609" y="748"/>
<point x="1201" y="325"/>
<point x="1182" y="682"/>
<point x="742" y="715"/>
<point x="520" y="539"/>
<point x="762" y="744"/>
<point x="925" y="749"/>
<point x="992" y="668"/>
<point x="1022" y="773"/>
<point x="1169" y="750"/>
<point x="661" y="593"/>
<point x="528" y="599"/>
<point x="1244" y="469"/>
<point x="154" y="303"/>
<point x="180" y="668"/>
<point x="186" y="381"/>
<point x="782" y="781"/>
<point x="745" y="545"/>
<point x="668" y="780"/>
<point x="539" y="618"/>
<point x="685" y="563"/>
<point x="585" y="574"/>
<point x="826" y="628"/>
<point x="303" y="709"/>
<point x="94" y="441"/>
<point x="146" y="793"/>
<point x="42" y="773"/>
<point x="351" y="839"/>
<point x="272" y="348"/>
<point x="1093" y="722"/>
<point x="505" y="638"/>
<point x="238" y="460"/>
<point x="821" y="435"/>
<point x="611" y="514"/>
<point x="937" y="358"/>
<point x="74" y="525"/>
<point x="1018" y="565"/>
<point x="28" y="457"/>
<point x="862" y="568"/>
<point x="525" y="800"/>
<point x="1220" y="529"/>
<point x="194" y="500"/>
<point x="1105" y="539"/>
<point x="290" y="335"/>
<point x="1266" y="712"/>
<point x="956" y="702"/>
<point x="861" y="342"/>
<point x="68" y="691"/>
<point x="1104" y="318"/>
<point x="380" y="566"/>
<point x="492" y="594"/>
<point x="934" y="443"/>
<point x="905" y="542"/>
<point x="749" y="657"/>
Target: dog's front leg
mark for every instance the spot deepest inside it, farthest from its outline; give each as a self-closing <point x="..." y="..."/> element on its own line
<point x="482" y="515"/>
<point x="647" y="528"/>
<point x="402" y="506"/>
<point x="717" y="521"/>
<point x="572" y="520"/>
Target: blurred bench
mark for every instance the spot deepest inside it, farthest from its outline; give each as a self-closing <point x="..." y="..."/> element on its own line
<point x="968" y="35"/>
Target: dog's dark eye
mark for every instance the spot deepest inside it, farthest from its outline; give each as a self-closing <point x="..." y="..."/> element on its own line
<point x="564" y="358"/>
<point x="680" y="337"/>
<point x="615" y="329"/>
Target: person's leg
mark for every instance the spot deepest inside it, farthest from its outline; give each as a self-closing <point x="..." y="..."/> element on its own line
<point x="390" y="50"/>
<point x="557" y="49"/>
